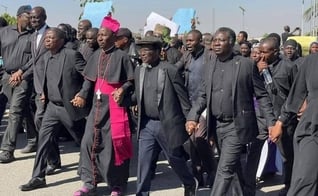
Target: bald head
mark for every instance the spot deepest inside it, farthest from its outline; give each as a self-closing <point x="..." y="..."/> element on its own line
<point x="82" y="27"/>
<point x="38" y="17"/>
<point x="91" y="37"/>
<point x="272" y="42"/>
<point x="286" y="28"/>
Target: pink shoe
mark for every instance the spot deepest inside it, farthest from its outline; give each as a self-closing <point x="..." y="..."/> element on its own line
<point x="84" y="191"/>
<point x="116" y="191"/>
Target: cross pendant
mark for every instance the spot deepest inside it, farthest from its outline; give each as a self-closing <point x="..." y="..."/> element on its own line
<point x="98" y="94"/>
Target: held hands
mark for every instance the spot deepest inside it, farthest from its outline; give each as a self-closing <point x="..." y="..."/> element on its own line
<point x="42" y="98"/>
<point x="276" y="131"/>
<point x="78" y="101"/>
<point x="191" y="126"/>
<point x="118" y="95"/>
<point x="16" y="78"/>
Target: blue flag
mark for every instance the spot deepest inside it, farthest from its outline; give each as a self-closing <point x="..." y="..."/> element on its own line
<point x="183" y="17"/>
<point x="96" y="11"/>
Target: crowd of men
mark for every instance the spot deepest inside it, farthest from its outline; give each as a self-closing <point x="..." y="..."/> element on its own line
<point x="224" y="95"/>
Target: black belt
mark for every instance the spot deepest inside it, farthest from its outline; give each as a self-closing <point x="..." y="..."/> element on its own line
<point x="58" y="103"/>
<point x="225" y="118"/>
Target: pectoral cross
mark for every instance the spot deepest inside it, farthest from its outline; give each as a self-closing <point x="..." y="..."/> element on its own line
<point x="98" y="94"/>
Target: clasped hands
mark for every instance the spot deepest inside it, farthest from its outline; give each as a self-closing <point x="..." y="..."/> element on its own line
<point x="274" y="132"/>
<point x="78" y="101"/>
<point x="16" y="78"/>
<point x="191" y="126"/>
<point x="118" y="95"/>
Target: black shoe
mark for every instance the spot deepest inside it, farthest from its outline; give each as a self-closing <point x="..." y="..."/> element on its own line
<point x="50" y="169"/>
<point x="6" y="157"/>
<point x="28" y="149"/>
<point x="199" y="177"/>
<point x="209" y="180"/>
<point x="191" y="190"/>
<point x="34" y="183"/>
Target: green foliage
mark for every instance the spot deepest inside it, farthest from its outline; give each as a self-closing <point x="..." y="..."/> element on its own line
<point x="10" y="19"/>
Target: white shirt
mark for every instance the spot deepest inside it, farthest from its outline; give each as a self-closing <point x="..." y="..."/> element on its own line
<point x="40" y="33"/>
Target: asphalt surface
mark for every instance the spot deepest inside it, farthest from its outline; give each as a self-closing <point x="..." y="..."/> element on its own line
<point x="65" y="181"/>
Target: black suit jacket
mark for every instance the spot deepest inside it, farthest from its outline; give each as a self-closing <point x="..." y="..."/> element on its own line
<point x="36" y="62"/>
<point x="172" y="101"/>
<point x="70" y="80"/>
<point x="246" y="83"/>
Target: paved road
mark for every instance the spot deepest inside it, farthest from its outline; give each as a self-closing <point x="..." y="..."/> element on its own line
<point x="66" y="181"/>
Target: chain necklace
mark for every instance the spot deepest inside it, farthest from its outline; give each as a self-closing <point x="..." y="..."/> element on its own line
<point x="103" y="57"/>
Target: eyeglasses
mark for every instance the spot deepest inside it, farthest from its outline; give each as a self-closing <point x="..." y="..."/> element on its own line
<point x="35" y="17"/>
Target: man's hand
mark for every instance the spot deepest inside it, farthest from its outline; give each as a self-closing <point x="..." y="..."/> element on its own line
<point x="302" y="109"/>
<point x="262" y="64"/>
<point x="134" y="110"/>
<point x="16" y="78"/>
<point x="42" y="98"/>
<point x="276" y="131"/>
<point x="191" y="126"/>
<point x="118" y="95"/>
<point x="78" y="101"/>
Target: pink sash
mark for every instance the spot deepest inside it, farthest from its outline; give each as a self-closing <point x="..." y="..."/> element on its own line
<point x="119" y="123"/>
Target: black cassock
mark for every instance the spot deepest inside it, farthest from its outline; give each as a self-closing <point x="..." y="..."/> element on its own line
<point x="106" y="71"/>
<point x="305" y="168"/>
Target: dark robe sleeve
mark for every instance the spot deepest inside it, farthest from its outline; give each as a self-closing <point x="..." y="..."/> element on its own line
<point x="90" y="71"/>
<point x="262" y="97"/>
<point x="297" y="94"/>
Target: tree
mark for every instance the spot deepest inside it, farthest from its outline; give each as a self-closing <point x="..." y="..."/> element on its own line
<point x="10" y="19"/>
<point x="83" y="3"/>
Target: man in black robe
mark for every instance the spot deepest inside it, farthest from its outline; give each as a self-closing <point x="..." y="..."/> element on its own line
<point x="106" y="146"/>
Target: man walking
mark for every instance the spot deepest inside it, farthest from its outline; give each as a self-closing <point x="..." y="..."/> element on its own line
<point x="230" y="83"/>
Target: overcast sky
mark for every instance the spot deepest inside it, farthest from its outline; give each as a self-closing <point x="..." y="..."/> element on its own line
<point x="260" y="16"/>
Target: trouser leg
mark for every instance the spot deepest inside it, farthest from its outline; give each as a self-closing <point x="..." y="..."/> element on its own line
<point x="231" y="149"/>
<point x="147" y="147"/>
<point x="47" y="132"/>
<point x="285" y="145"/>
<point x="18" y="99"/>
<point x="305" y="171"/>
<point x="252" y="161"/>
<point x="31" y="131"/>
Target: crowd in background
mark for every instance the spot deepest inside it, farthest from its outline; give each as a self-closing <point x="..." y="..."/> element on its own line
<point x="222" y="94"/>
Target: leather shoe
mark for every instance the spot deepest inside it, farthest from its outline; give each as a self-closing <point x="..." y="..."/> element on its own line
<point x="28" y="149"/>
<point x="34" y="183"/>
<point x="6" y="157"/>
<point x="191" y="190"/>
<point x="50" y="169"/>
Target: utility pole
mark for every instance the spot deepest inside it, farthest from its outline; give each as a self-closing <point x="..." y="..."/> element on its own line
<point x="302" y="17"/>
<point x="243" y="14"/>
<point x="213" y="20"/>
<point x="5" y="8"/>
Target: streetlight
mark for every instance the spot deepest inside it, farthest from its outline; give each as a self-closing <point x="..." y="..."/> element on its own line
<point x="5" y="8"/>
<point x="302" y="17"/>
<point x="243" y="11"/>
